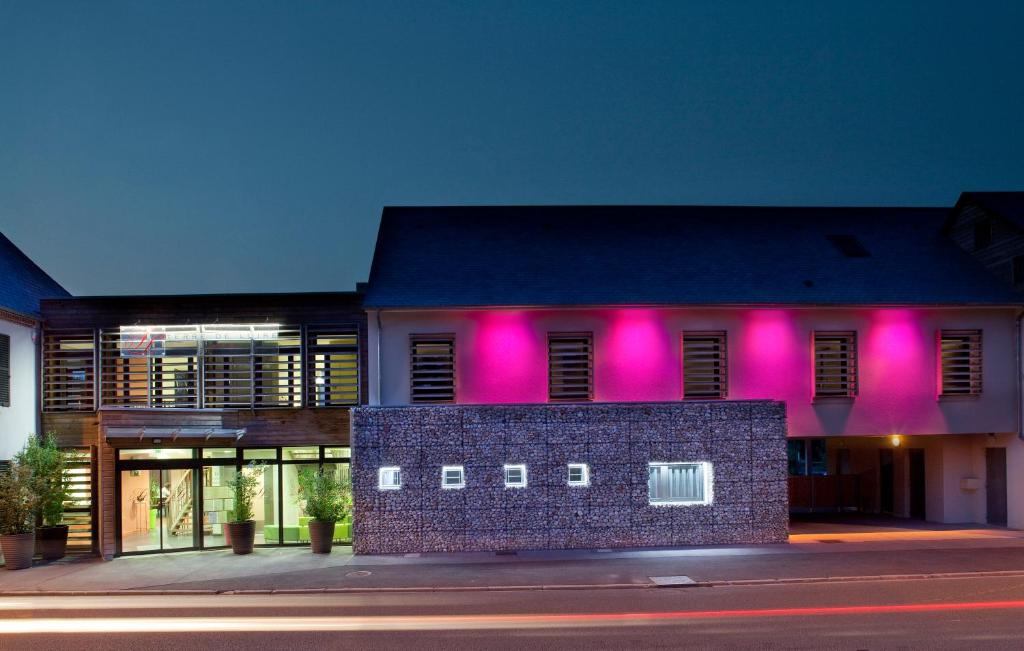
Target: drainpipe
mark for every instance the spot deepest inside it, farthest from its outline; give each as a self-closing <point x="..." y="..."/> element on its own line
<point x="380" y="328"/>
<point x="1020" y="371"/>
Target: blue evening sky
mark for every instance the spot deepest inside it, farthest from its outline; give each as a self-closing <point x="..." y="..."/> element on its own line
<point x="161" y="147"/>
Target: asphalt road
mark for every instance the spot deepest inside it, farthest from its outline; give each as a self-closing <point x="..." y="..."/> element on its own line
<point x="932" y="614"/>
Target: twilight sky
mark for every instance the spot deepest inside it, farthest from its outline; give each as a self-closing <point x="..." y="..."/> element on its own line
<point x="162" y="147"/>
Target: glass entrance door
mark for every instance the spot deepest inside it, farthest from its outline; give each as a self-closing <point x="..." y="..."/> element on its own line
<point x="157" y="509"/>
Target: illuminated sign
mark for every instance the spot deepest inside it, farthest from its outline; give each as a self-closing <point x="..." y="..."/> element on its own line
<point x="151" y="341"/>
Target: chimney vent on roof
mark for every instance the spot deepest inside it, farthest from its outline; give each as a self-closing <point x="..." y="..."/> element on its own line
<point x="849" y="246"/>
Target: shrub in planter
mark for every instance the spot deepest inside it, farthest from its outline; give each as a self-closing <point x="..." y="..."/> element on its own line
<point x="17" y="516"/>
<point x="241" y="528"/>
<point x="327" y="499"/>
<point x="48" y="464"/>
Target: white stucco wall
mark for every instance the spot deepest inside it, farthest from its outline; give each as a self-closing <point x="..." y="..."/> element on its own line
<point x="18" y="421"/>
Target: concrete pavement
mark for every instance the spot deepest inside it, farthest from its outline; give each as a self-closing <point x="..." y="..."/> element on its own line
<point x="814" y="554"/>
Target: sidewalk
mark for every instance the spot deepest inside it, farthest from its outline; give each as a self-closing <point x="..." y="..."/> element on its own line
<point x="812" y="555"/>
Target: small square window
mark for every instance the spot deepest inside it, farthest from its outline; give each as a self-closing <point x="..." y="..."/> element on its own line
<point x="515" y="476"/>
<point x="579" y="474"/>
<point x="389" y="478"/>
<point x="453" y="477"/>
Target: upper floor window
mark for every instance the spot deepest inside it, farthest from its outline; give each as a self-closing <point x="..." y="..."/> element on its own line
<point x="333" y="364"/>
<point x="5" y="370"/>
<point x="982" y="234"/>
<point x="835" y="364"/>
<point x="69" y="366"/>
<point x="705" y="367"/>
<point x="960" y="362"/>
<point x="571" y="366"/>
<point x="150" y="367"/>
<point x="432" y="366"/>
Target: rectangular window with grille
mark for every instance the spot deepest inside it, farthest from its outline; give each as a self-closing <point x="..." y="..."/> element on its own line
<point x="333" y="363"/>
<point x="69" y="366"/>
<point x="432" y="365"/>
<point x="676" y="483"/>
<point x="835" y="364"/>
<point x="5" y="371"/>
<point x="571" y="367"/>
<point x="705" y="367"/>
<point x="960" y="362"/>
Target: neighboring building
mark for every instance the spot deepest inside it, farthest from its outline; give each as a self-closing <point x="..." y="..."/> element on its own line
<point x="556" y="376"/>
<point x="22" y="285"/>
<point x="169" y="396"/>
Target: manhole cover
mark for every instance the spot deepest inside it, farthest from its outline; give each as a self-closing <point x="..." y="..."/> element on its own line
<point x="505" y="552"/>
<point x="667" y="581"/>
<point x="359" y="573"/>
<point x="829" y="541"/>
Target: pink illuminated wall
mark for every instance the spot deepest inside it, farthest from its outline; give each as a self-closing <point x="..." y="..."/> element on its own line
<point x="501" y="357"/>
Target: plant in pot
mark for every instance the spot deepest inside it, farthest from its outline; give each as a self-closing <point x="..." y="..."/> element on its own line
<point x="241" y="528"/>
<point x="48" y="465"/>
<point x="328" y="499"/>
<point x="17" y="516"/>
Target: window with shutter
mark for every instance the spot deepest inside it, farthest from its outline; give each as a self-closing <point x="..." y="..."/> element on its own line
<point x="5" y="371"/>
<point x="69" y="366"/>
<point x="333" y="353"/>
<point x="960" y="355"/>
<point x="571" y="367"/>
<point x="432" y="366"/>
<point x="705" y="368"/>
<point x="835" y="364"/>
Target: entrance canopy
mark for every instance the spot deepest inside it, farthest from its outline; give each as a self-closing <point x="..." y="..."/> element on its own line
<point x="176" y="436"/>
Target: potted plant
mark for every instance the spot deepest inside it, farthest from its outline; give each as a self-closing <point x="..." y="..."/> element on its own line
<point x="241" y="528"/>
<point x="48" y="465"/>
<point x="328" y="499"/>
<point x="17" y="516"/>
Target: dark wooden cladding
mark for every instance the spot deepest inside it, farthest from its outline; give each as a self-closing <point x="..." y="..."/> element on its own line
<point x="571" y="366"/>
<point x="705" y="365"/>
<point x="835" y="364"/>
<point x="1001" y="241"/>
<point x="262" y="427"/>
<point x="73" y="429"/>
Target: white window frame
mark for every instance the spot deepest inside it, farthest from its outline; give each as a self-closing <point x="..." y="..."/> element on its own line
<point x="521" y="467"/>
<point x="461" y="483"/>
<point x="389" y="472"/>
<point x="584" y="469"/>
<point x="707" y="474"/>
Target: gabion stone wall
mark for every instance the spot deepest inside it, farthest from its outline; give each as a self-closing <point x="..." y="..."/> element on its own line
<point x="744" y="440"/>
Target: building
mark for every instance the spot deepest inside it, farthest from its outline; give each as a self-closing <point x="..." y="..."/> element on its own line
<point x="167" y="397"/>
<point x="22" y="285"/>
<point x="620" y="376"/>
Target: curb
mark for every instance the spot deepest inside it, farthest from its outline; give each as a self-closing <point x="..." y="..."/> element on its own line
<point x="517" y="588"/>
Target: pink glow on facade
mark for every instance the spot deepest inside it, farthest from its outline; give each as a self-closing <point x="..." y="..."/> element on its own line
<point x="637" y="359"/>
<point x="508" y="362"/>
<point x="501" y="357"/>
<point x="770" y="358"/>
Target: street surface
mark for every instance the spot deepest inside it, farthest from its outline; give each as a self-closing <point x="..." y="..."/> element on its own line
<point x="972" y="613"/>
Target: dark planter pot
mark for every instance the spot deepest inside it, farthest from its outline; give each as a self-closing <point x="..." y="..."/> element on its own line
<point x="18" y="550"/>
<point x="52" y="542"/>
<point x="321" y="535"/>
<point x="242" y="535"/>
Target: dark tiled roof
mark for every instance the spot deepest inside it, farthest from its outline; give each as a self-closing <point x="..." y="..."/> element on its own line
<point x="1008" y="205"/>
<point x="22" y="282"/>
<point x="661" y="255"/>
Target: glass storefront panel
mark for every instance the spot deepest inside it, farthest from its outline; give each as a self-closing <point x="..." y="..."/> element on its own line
<point x="220" y="453"/>
<point x="296" y="521"/>
<point x="260" y="453"/>
<point x="218" y="500"/>
<point x="156" y="510"/>
<point x="158" y="454"/>
<point x="343" y="529"/>
<point x="310" y="453"/>
<point x="265" y="504"/>
<point x="337" y="453"/>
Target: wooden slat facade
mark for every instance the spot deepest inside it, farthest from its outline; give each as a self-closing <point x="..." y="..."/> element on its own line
<point x="124" y="400"/>
<point x="1005" y="239"/>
